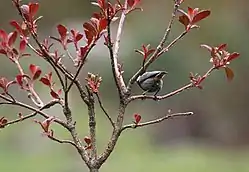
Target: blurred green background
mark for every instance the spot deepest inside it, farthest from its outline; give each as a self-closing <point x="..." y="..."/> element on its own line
<point x="215" y="139"/>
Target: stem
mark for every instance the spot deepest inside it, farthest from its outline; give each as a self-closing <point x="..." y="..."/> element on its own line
<point x="103" y="109"/>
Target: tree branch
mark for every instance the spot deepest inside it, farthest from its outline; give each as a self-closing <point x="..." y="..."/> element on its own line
<point x="152" y="97"/>
<point x="156" y="120"/>
<point x="114" y="50"/>
<point x="17" y="103"/>
<point x="46" y="106"/>
<point x="62" y="141"/>
<point x="92" y="124"/>
<point x="105" y="112"/>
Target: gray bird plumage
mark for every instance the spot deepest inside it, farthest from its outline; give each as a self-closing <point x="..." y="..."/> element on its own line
<point x="151" y="81"/>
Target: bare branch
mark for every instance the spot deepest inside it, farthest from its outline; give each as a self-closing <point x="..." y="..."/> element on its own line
<point x="46" y="106"/>
<point x="172" y="43"/>
<point x="156" y="120"/>
<point x="17" y="103"/>
<point x="152" y="97"/>
<point x="105" y="112"/>
<point x="62" y="141"/>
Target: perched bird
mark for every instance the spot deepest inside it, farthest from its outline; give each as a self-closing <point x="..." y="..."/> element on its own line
<point x="151" y="81"/>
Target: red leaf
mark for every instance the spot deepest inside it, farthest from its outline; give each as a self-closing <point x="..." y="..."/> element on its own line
<point x="33" y="8"/>
<point x="79" y="37"/>
<point x="102" y="24"/>
<point x="137" y="118"/>
<point x="2" y="51"/>
<point x="62" y="31"/>
<point x="19" y="80"/>
<point x="184" y="20"/>
<point x="233" y="56"/>
<point x="46" y="123"/>
<point x="35" y="71"/>
<point x="87" y="140"/>
<point x="190" y="11"/>
<point x="229" y="73"/>
<point x="83" y="51"/>
<point x="47" y="79"/>
<point x="3" y="122"/>
<point x="54" y="94"/>
<point x="22" y="45"/>
<point x="3" y="35"/>
<point x="221" y="47"/>
<point x="12" y="38"/>
<point x="131" y="2"/>
<point x="16" y="25"/>
<point x="201" y="15"/>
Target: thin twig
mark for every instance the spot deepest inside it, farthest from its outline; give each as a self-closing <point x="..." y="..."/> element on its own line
<point x="172" y="43"/>
<point x="155" y="54"/>
<point x="156" y="120"/>
<point x="152" y="97"/>
<point x="105" y="112"/>
<point x="63" y="141"/>
<point x="17" y="103"/>
<point x="70" y="55"/>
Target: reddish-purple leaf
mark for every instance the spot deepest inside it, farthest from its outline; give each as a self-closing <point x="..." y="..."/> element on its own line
<point x="33" y="8"/>
<point x="3" y="35"/>
<point x="184" y="20"/>
<point x="233" y="56"/>
<point x="201" y="15"/>
<point x="19" y="80"/>
<point x="137" y="118"/>
<point x="16" y="25"/>
<point x="62" y="31"/>
<point x="221" y="47"/>
<point x="22" y="45"/>
<point x="87" y="140"/>
<point x="102" y="24"/>
<point x="35" y="71"/>
<point x="2" y="51"/>
<point x="47" y="79"/>
<point x="12" y="38"/>
<point x="46" y="123"/>
<point x="54" y="94"/>
<point x="229" y="73"/>
<point x="83" y="51"/>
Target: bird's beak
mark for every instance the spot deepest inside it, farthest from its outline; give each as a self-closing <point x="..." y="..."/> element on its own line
<point x="161" y="74"/>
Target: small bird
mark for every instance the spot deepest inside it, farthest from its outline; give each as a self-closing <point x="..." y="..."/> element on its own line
<point x="151" y="81"/>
